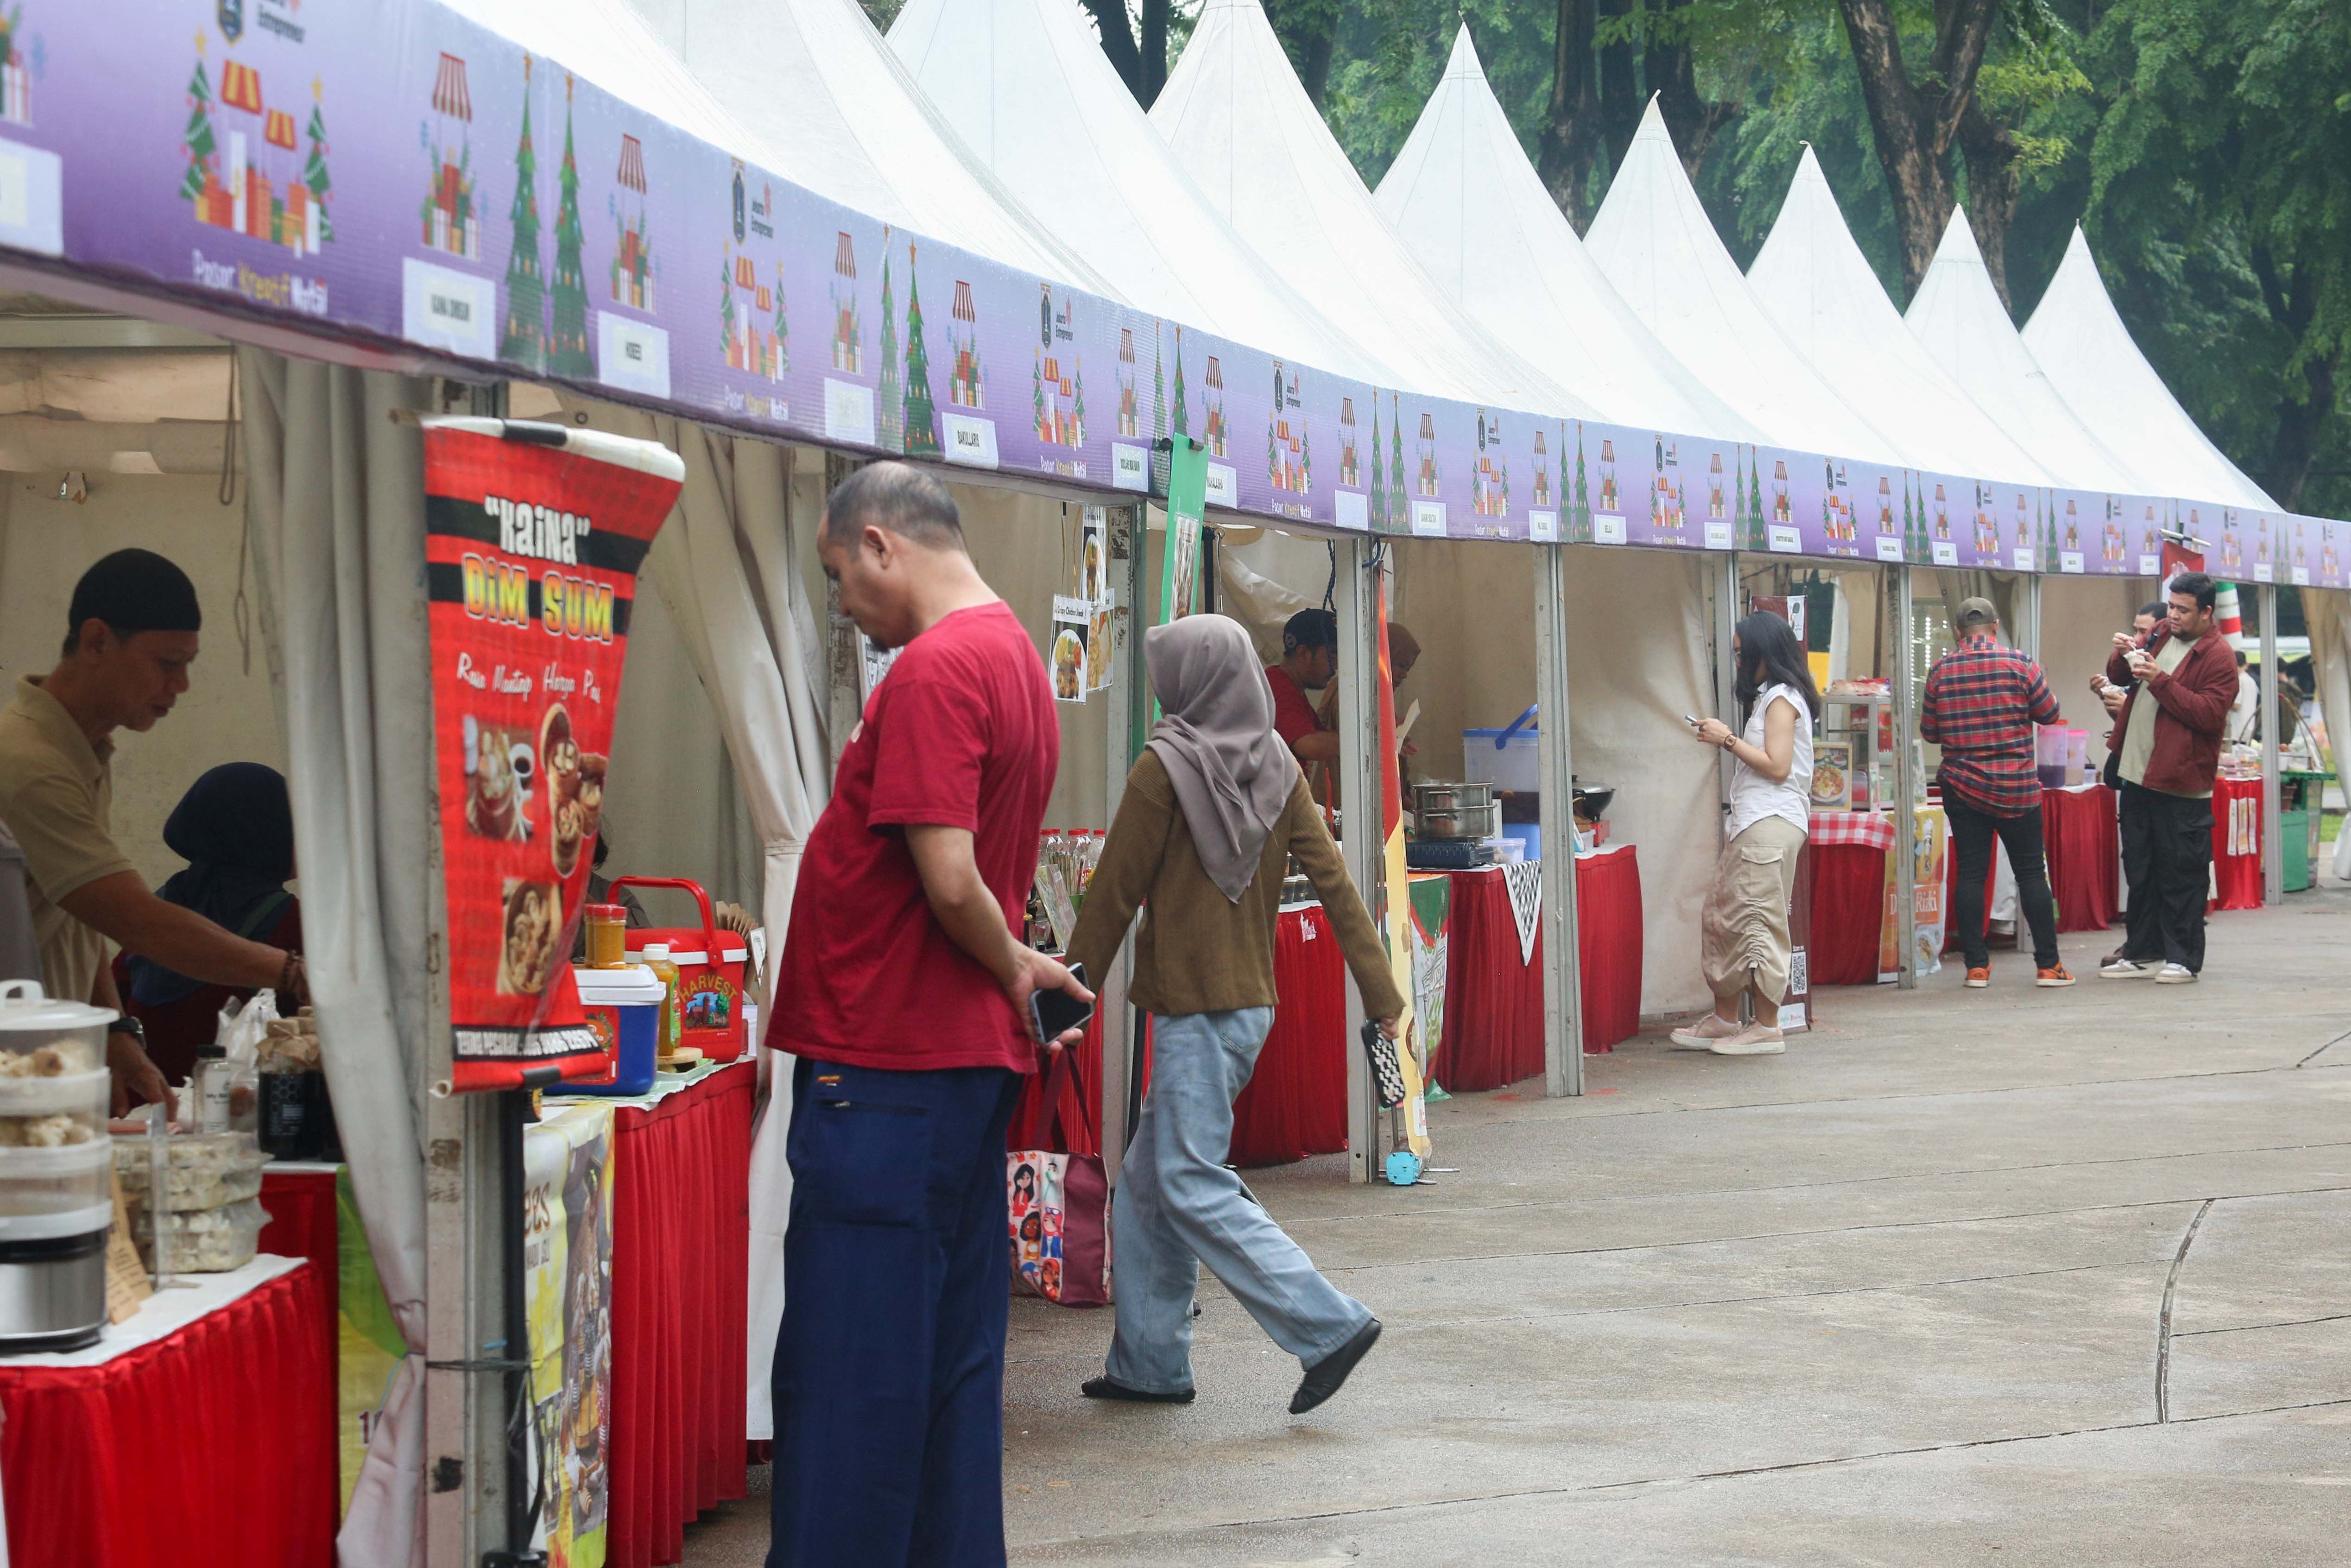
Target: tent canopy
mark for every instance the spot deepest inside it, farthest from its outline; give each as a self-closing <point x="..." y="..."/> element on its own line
<point x="1475" y="212"/>
<point x="1655" y="242"/>
<point x="1237" y="118"/>
<point x="2080" y="341"/>
<point x="1958" y="317"/>
<point x="770" y="82"/>
<point x="1028" y="87"/>
<point x="1821" y="290"/>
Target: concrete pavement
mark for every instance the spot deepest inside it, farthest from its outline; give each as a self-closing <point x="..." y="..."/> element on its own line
<point x="2012" y="1276"/>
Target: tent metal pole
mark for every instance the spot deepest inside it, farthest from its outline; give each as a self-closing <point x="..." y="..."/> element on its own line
<point x="1126" y="538"/>
<point x="1726" y="672"/>
<point x="2272" y="836"/>
<point x="1360" y="818"/>
<point x="1562" y="971"/>
<point x="1905" y="787"/>
<point x="2027" y="633"/>
<point x="845" y="650"/>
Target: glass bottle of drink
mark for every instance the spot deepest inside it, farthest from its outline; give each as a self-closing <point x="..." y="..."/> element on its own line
<point x="670" y="1020"/>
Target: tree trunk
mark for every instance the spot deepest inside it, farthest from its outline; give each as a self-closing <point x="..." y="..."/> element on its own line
<point x="1993" y="187"/>
<point x="1671" y="68"/>
<point x="1621" y="100"/>
<point x="1913" y="125"/>
<point x="2301" y="421"/>
<point x="1118" y="43"/>
<point x="1571" y="131"/>
<point x="1308" y="30"/>
<point x="1153" y="51"/>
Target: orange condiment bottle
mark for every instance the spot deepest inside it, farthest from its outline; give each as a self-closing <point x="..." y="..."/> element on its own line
<point x="606" y="935"/>
<point x="672" y="1007"/>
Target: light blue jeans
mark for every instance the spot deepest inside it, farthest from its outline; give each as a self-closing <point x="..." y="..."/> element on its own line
<point x="1177" y="1207"/>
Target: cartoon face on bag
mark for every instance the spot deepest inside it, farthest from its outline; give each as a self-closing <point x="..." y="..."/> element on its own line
<point x="1024" y="1189"/>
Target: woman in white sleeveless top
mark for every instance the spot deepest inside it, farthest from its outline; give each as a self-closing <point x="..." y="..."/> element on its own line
<point x="1747" y="947"/>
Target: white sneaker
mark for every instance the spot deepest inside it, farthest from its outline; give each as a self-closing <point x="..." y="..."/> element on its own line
<point x="2127" y="970"/>
<point x="2176" y="975"/>
<point x="1701" y="1035"/>
<point x="1752" y="1040"/>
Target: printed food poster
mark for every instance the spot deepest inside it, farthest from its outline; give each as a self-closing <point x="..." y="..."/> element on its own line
<point x="1072" y="621"/>
<point x="567" y="1303"/>
<point x="534" y="536"/>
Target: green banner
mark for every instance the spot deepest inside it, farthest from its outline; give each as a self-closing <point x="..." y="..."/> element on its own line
<point x="1187" y="504"/>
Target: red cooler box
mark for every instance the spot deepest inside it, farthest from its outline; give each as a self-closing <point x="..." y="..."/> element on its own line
<point x="710" y="964"/>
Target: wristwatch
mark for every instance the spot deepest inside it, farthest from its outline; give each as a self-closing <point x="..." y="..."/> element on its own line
<point x="125" y="1024"/>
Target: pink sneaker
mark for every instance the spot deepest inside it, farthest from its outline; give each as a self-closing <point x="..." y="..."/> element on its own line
<point x="1753" y="1040"/>
<point x="1701" y="1035"/>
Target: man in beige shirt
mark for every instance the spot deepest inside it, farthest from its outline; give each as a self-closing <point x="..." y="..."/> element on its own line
<point x="131" y="634"/>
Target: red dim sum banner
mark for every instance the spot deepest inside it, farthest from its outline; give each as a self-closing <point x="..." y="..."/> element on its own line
<point x="533" y="534"/>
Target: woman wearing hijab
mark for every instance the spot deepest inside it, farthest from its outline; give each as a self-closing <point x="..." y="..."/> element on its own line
<point x="1214" y="808"/>
<point x="234" y="827"/>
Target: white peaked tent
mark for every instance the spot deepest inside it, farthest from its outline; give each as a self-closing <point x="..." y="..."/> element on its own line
<point x="808" y="90"/>
<point x="1239" y="120"/>
<point x="1958" y="316"/>
<point x="1821" y="290"/>
<point x="1475" y="212"/>
<point x="2088" y="354"/>
<point x="1026" y="84"/>
<point x="1655" y="242"/>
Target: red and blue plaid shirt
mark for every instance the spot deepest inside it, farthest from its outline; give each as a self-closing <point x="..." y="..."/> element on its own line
<point x="1982" y="701"/>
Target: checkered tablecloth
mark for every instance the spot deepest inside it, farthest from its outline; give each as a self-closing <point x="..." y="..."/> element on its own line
<point x="1863" y="829"/>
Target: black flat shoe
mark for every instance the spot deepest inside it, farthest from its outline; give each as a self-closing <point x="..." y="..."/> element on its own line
<point x="1105" y="1388"/>
<point x="1325" y="1376"/>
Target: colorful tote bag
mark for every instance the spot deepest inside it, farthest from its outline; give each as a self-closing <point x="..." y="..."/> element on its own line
<point x="1060" y="1212"/>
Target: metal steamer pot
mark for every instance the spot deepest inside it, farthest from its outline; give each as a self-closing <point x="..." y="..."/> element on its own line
<point x="1456" y="810"/>
<point x="56" y="1204"/>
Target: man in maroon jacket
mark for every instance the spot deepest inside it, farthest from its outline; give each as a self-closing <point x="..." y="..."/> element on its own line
<point x="2167" y="745"/>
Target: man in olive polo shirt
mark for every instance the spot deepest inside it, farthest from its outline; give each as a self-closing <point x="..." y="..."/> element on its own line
<point x="130" y="635"/>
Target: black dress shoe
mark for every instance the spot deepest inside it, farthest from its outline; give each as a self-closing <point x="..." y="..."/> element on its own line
<point x="1324" y="1377"/>
<point x="1105" y="1388"/>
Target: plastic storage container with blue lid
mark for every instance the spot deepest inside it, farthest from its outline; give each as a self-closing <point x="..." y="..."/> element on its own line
<point x="623" y="1007"/>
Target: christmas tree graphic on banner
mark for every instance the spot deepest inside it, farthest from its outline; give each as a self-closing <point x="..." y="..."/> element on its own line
<point x="261" y="194"/>
<point x="1399" y="505"/>
<point x="890" y="405"/>
<point x="922" y="427"/>
<point x="314" y="173"/>
<point x="1757" y="534"/>
<point x="568" y="352"/>
<point x="523" y="339"/>
<point x="1379" y="508"/>
<point x="1182" y="419"/>
<point x="1579" y="516"/>
<point x="197" y="141"/>
<point x="1158" y="389"/>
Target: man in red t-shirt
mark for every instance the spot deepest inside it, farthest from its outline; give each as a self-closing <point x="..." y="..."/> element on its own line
<point x="904" y="995"/>
<point x="1310" y="660"/>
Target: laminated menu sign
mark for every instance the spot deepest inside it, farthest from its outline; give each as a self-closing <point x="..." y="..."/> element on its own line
<point x="534" y="535"/>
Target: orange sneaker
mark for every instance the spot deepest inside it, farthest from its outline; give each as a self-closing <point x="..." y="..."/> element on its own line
<point x="2054" y="977"/>
<point x="1979" y="979"/>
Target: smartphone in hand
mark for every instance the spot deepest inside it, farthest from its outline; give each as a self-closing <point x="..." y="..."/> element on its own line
<point x="1053" y="1014"/>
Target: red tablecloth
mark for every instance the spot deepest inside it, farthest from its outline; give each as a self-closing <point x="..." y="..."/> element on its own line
<point x="681" y="1241"/>
<point x="1493" y="998"/>
<point x="213" y="1445"/>
<point x="303" y="1224"/>
<point x="2077" y="828"/>
<point x="1296" y="1102"/>
<point x="1848" y="912"/>
<point x="2237" y="877"/>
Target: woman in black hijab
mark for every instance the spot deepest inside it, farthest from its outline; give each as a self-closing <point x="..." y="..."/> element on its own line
<point x="234" y="827"/>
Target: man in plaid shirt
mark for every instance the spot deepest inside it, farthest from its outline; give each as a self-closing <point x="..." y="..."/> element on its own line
<point x="1982" y="701"/>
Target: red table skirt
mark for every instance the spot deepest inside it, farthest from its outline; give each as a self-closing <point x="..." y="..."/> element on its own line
<point x="681" y="1244"/>
<point x="1848" y="913"/>
<point x="1296" y="1100"/>
<point x="1494" y="1000"/>
<point x="2084" y="856"/>
<point x="214" y="1445"/>
<point x="2237" y="878"/>
<point x="303" y="1224"/>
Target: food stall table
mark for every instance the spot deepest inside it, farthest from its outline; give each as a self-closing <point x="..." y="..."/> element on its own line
<point x="2084" y="854"/>
<point x="1493" y="992"/>
<point x="2237" y="843"/>
<point x="1296" y="1100"/>
<point x="100" y="1466"/>
<point x="681" y="1241"/>
<point x="1847" y="852"/>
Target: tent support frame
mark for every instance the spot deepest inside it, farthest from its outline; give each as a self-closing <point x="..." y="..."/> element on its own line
<point x="2273" y="802"/>
<point x="1359" y="563"/>
<point x="1562" y="968"/>
<point x="2026" y="634"/>
<point x="1906" y="785"/>
<point x="1127" y="537"/>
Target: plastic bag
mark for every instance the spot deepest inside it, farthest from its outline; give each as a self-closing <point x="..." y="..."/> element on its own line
<point x="242" y="1026"/>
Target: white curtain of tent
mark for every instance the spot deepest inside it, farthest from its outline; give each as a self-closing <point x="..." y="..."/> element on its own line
<point x="337" y="502"/>
<point x="726" y="569"/>
<point x="2328" y="616"/>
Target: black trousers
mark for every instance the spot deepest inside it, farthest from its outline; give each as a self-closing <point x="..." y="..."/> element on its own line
<point x="2167" y="863"/>
<point x="1971" y="834"/>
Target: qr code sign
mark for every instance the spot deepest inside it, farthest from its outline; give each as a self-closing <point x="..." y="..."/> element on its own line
<point x="1800" y="973"/>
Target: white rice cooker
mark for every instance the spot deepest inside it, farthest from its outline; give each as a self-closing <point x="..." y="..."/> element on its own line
<point x="57" y="1166"/>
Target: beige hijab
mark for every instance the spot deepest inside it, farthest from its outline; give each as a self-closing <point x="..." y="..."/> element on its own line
<point x="1232" y="774"/>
